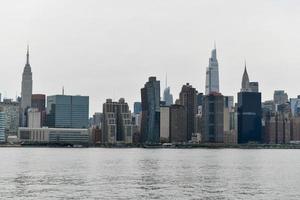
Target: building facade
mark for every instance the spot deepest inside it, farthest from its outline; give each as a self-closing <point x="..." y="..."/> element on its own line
<point x="188" y="98"/>
<point x="45" y="135"/>
<point x="280" y="97"/>
<point x="64" y="111"/>
<point x="26" y="91"/>
<point x="39" y="101"/>
<point x="249" y="113"/>
<point x="164" y="124"/>
<point x="150" y="125"/>
<point x="178" y="124"/>
<point x="2" y="126"/>
<point x="12" y="116"/>
<point x="213" y="118"/>
<point x="34" y="118"/>
<point x="212" y="74"/>
<point x="167" y="97"/>
<point x="117" y="122"/>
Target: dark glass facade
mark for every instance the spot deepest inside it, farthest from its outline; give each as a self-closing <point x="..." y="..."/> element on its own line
<point x="137" y="107"/>
<point x="67" y="111"/>
<point x="150" y="127"/>
<point x="249" y="117"/>
<point x="213" y="118"/>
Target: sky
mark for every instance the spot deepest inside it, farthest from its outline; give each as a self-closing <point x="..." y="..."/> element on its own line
<point x="109" y="48"/>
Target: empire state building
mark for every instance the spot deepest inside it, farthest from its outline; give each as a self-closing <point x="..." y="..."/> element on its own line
<point x="26" y="92"/>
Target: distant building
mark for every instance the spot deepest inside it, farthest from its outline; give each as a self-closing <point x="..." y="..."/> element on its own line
<point x="150" y="126"/>
<point x="12" y="114"/>
<point x="45" y="135"/>
<point x="249" y="113"/>
<point x="278" y="128"/>
<point x="2" y="126"/>
<point x="188" y="98"/>
<point x="96" y="135"/>
<point x="168" y="97"/>
<point x="212" y="74"/>
<point x="34" y="118"/>
<point x="268" y="106"/>
<point x="200" y="99"/>
<point x="26" y="91"/>
<point x="213" y="118"/>
<point x="137" y="107"/>
<point x="97" y="119"/>
<point x="178" y="121"/>
<point x="280" y="97"/>
<point x="253" y="86"/>
<point x="164" y="124"/>
<point x="39" y="101"/>
<point x="117" y="122"/>
<point x="64" y="111"/>
<point x="295" y="106"/>
<point x="295" y="128"/>
<point x="230" y="127"/>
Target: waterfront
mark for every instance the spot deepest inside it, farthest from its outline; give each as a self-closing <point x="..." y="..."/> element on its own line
<point x="100" y="173"/>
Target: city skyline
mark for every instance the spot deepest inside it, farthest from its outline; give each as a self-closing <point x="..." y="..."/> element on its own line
<point x="90" y="48"/>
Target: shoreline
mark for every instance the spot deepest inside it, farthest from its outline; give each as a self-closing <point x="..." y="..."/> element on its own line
<point x="175" y="146"/>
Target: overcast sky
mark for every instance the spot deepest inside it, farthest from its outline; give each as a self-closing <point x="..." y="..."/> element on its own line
<point x="108" y="48"/>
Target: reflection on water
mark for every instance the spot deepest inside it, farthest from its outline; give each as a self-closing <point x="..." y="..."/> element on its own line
<point x="58" y="173"/>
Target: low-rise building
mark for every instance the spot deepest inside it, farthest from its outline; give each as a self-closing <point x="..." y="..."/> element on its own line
<point x="45" y="135"/>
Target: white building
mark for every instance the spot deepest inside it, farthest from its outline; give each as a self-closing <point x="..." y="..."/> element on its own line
<point x="2" y="127"/>
<point x="34" y="118"/>
<point x="47" y="135"/>
<point x="164" y="124"/>
<point x="12" y="114"/>
<point x="212" y="74"/>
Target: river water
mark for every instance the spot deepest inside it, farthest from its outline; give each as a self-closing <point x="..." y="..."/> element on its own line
<point x="99" y="173"/>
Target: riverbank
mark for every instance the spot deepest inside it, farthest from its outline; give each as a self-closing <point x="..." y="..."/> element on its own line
<point x="169" y="146"/>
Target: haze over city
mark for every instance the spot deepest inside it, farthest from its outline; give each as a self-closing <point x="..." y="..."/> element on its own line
<point x="108" y="49"/>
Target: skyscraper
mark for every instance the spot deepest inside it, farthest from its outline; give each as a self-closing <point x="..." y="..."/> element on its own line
<point x="280" y="97"/>
<point x="188" y="98"/>
<point x="168" y="97"/>
<point x="213" y="118"/>
<point x="117" y="125"/>
<point x="178" y="122"/>
<point x="64" y="111"/>
<point x="212" y="74"/>
<point x="150" y="126"/>
<point x="249" y="113"/>
<point x="26" y="91"/>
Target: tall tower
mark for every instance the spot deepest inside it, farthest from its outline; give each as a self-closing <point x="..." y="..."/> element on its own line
<point x="150" y="125"/>
<point x="167" y="97"/>
<point x="245" y="81"/>
<point x="249" y="112"/>
<point x="212" y="74"/>
<point x="26" y="92"/>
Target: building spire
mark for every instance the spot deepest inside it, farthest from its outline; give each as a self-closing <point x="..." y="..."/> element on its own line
<point x="245" y="80"/>
<point x="27" y="55"/>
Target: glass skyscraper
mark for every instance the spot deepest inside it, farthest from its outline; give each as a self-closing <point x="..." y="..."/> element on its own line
<point x="65" y="111"/>
<point x="150" y="128"/>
